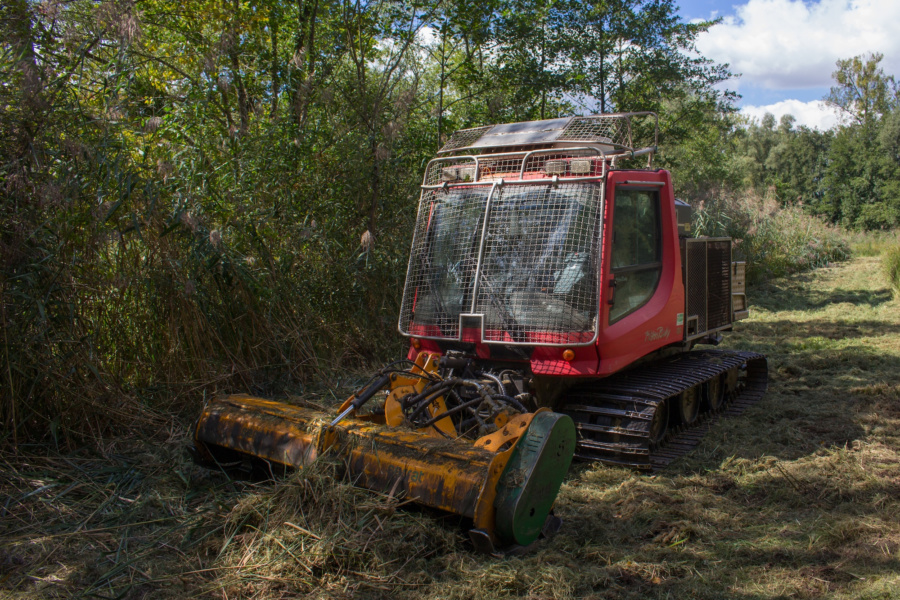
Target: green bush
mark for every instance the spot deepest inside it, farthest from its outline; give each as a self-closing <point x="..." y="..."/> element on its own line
<point x="891" y="261"/>
<point x="774" y="240"/>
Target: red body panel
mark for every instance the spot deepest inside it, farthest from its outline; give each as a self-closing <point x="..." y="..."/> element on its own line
<point x="654" y="325"/>
<point x="651" y="327"/>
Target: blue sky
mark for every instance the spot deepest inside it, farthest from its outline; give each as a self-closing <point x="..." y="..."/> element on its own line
<point x="702" y="9"/>
<point x="785" y="50"/>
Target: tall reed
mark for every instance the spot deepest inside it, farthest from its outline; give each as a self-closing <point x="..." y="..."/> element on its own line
<point x="774" y="240"/>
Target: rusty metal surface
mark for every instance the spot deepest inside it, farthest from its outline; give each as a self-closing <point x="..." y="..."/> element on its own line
<point x="270" y="430"/>
<point x="445" y="474"/>
<point x="410" y="448"/>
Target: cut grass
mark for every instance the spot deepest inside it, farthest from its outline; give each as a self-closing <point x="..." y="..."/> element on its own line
<point x="891" y="264"/>
<point x="797" y="498"/>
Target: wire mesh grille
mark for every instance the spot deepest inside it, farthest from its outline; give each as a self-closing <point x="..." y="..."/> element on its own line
<point x="718" y="304"/>
<point x="614" y="129"/>
<point x="451" y="170"/>
<point x="572" y="163"/>
<point x="537" y="280"/>
<point x="465" y="137"/>
<point x="504" y="166"/>
<point x="695" y="293"/>
<point x="563" y="163"/>
<point x="442" y="261"/>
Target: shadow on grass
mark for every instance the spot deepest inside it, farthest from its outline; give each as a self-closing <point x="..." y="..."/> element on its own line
<point x="775" y="334"/>
<point x="720" y="535"/>
<point x="819" y="396"/>
<point x="790" y="294"/>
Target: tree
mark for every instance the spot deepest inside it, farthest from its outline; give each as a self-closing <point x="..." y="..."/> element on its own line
<point x="857" y="182"/>
<point x="184" y="184"/>
<point x="638" y="55"/>
<point x="863" y="92"/>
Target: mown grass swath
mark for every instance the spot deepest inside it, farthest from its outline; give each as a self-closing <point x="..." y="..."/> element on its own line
<point x="891" y="262"/>
<point x="796" y="498"/>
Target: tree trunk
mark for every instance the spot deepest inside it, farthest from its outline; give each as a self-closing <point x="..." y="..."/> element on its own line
<point x="276" y="81"/>
<point x="18" y="17"/>
<point x="243" y="104"/>
<point x="440" y="123"/>
<point x="376" y="185"/>
<point x="304" y="60"/>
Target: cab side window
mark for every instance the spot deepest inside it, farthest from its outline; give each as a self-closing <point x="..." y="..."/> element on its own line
<point x="636" y="247"/>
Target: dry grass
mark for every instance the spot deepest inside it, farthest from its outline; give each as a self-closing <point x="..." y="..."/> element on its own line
<point x="872" y="243"/>
<point x="796" y="499"/>
<point x="891" y="264"/>
<point x="774" y="240"/>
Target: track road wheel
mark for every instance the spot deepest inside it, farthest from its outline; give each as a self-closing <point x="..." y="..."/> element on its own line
<point x="714" y="393"/>
<point x="659" y="426"/>
<point x="689" y="405"/>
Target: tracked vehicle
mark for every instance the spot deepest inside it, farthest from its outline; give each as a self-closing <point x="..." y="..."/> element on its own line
<point x="553" y="300"/>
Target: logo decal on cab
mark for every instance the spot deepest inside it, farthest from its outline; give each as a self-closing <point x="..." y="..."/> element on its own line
<point x="660" y="333"/>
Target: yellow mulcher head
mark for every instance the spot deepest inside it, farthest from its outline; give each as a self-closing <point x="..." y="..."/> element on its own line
<point x="448" y="442"/>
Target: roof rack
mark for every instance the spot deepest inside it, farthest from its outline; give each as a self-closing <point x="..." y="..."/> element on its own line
<point x="611" y="134"/>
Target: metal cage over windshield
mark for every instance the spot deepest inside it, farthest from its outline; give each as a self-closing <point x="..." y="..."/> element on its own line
<point x="519" y="262"/>
<point x="506" y="247"/>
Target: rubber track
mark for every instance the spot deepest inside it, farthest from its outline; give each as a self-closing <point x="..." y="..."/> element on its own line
<point x="613" y="415"/>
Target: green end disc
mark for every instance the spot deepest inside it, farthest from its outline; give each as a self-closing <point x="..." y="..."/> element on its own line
<point x="532" y="477"/>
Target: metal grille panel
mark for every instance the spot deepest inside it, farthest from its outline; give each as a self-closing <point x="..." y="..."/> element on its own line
<point x="538" y="275"/>
<point x="611" y="129"/>
<point x="718" y="304"/>
<point x="541" y="164"/>
<point x="707" y="266"/>
<point x="614" y="130"/>
<point x="442" y="261"/>
<point x="696" y="282"/>
<point x="504" y="166"/>
<point x="536" y="281"/>
<point x="450" y="170"/>
<point x="465" y="137"/>
<point x="567" y="163"/>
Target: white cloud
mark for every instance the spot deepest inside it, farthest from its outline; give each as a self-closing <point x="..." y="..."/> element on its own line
<point x="816" y="114"/>
<point x="790" y="44"/>
<point x="427" y="35"/>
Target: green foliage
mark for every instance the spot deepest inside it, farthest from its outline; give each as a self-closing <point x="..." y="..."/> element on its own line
<point x="891" y="262"/>
<point x="859" y="184"/>
<point x="774" y="241"/>
<point x="166" y="230"/>
<point x="635" y="55"/>
<point x="849" y="175"/>
<point x="199" y="197"/>
<point x="702" y="158"/>
<point x="782" y="160"/>
<point x="863" y="91"/>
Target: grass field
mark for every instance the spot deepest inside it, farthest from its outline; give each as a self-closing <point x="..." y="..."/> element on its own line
<point x="797" y="498"/>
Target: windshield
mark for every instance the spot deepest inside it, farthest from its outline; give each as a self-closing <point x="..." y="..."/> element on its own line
<point x="537" y="278"/>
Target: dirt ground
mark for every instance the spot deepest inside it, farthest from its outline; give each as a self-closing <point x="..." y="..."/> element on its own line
<point x="797" y="498"/>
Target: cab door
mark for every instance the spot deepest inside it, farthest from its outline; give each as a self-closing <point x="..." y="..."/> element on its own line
<point x="642" y="293"/>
